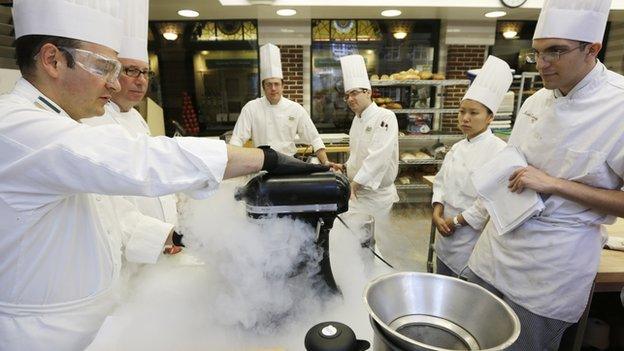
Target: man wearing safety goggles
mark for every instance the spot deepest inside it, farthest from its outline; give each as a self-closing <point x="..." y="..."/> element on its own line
<point x="61" y="258"/>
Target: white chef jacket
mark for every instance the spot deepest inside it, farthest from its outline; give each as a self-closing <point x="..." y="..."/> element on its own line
<point x="58" y="259"/>
<point x="162" y="207"/>
<point x="374" y="159"/>
<point x="275" y="125"/>
<point x="453" y="189"/>
<point x="547" y="265"/>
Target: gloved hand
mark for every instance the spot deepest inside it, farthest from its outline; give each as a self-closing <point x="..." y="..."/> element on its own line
<point x="280" y="164"/>
<point x="177" y="239"/>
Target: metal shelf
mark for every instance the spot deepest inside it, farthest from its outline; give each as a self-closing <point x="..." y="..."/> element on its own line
<point x="422" y="162"/>
<point x="446" y="82"/>
<point x="441" y="137"/>
<point x="415" y="186"/>
<point x="425" y="110"/>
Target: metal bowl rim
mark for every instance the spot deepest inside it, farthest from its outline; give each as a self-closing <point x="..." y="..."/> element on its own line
<point x="386" y="328"/>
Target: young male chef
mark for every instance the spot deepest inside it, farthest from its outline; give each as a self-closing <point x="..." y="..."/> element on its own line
<point x="571" y="135"/>
<point x="373" y="160"/>
<point x="273" y="119"/>
<point x="59" y="262"/>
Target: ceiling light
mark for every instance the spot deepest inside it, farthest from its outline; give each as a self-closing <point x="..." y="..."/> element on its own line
<point x="391" y="13"/>
<point x="287" y="30"/>
<point x="170" y="35"/>
<point x="510" y="34"/>
<point x="495" y="14"/>
<point x="188" y="13"/>
<point x="399" y="35"/>
<point x="204" y="52"/>
<point x="286" y="12"/>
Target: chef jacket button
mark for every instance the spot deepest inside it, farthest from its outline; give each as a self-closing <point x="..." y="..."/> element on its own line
<point x="98" y="198"/>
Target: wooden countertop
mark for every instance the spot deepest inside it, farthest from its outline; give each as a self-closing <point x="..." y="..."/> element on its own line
<point x="328" y="149"/>
<point x="610" y="275"/>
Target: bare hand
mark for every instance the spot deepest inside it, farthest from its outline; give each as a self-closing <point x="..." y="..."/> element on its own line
<point x="532" y="178"/>
<point x="172" y="250"/>
<point x="336" y="167"/>
<point x="444" y="226"/>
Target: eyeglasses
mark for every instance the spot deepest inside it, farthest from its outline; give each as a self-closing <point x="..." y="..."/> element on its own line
<point x="96" y="64"/>
<point x="353" y="93"/>
<point x="549" y="56"/>
<point x="134" y="72"/>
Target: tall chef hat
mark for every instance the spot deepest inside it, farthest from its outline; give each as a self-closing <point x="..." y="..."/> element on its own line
<point x="354" y="75"/>
<point x="270" y="62"/>
<point x="134" y="14"/>
<point x="95" y="21"/>
<point x="582" y="20"/>
<point x="491" y="83"/>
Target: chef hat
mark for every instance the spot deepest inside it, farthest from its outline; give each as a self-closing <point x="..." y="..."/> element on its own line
<point x="95" y="21"/>
<point x="491" y="84"/>
<point x="270" y="62"/>
<point x="354" y="75"/>
<point x="582" y="20"/>
<point x="134" y="14"/>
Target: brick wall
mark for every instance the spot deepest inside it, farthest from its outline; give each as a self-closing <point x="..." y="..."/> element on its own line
<point x="460" y="58"/>
<point x="292" y="69"/>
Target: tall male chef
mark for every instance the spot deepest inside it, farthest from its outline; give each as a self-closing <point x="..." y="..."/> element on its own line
<point x="120" y="111"/>
<point x="373" y="159"/>
<point x="58" y="262"/>
<point x="273" y="119"/>
<point x="571" y="135"/>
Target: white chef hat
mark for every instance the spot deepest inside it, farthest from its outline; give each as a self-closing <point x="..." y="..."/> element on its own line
<point x="491" y="84"/>
<point x="354" y="75"/>
<point x="270" y="62"/>
<point x="95" y="21"/>
<point x="134" y="14"/>
<point x="582" y="20"/>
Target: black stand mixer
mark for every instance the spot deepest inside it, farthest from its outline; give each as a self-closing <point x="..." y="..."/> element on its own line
<point x="315" y="199"/>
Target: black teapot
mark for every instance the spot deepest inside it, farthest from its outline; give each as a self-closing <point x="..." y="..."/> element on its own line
<point x="333" y="336"/>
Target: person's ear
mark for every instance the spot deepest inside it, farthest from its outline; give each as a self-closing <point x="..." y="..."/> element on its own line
<point x="48" y="59"/>
<point x="594" y="49"/>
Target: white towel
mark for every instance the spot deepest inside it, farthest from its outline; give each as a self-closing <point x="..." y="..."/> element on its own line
<point x="507" y="210"/>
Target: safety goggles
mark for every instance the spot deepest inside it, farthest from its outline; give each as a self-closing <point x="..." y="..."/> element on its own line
<point x="96" y="64"/>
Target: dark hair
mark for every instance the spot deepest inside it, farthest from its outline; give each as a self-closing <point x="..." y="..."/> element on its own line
<point x="28" y="46"/>
<point x="262" y="83"/>
<point x="488" y="110"/>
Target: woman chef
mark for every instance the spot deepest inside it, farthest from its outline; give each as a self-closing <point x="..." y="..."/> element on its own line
<point x="458" y="220"/>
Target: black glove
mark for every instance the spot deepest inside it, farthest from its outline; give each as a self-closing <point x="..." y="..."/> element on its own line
<point x="280" y="164"/>
<point x="177" y="239"/>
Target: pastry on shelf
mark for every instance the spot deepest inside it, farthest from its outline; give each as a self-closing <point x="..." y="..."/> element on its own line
<point x="426" y="75"/>
<point x="438" y="76"/>
<point x="374" y="77"/>
<point x="394" y="106"/>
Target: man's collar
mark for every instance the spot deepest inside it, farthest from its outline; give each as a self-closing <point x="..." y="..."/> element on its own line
<point x="589" y="77"/>
<point x="368" y="111"/>
<point x="30" y="92"/>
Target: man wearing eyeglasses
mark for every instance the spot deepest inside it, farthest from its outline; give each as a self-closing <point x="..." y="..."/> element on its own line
<point x="133" y="81"/>
<point x="570" y="133"/>
<point x="373" y="144"/>
<point x="273" y="119"/>
<point x="60" y="258"/>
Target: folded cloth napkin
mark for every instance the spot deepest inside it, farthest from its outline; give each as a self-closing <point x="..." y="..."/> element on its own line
<point x="507" y="210"/>
<point x="615" y="243"/>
